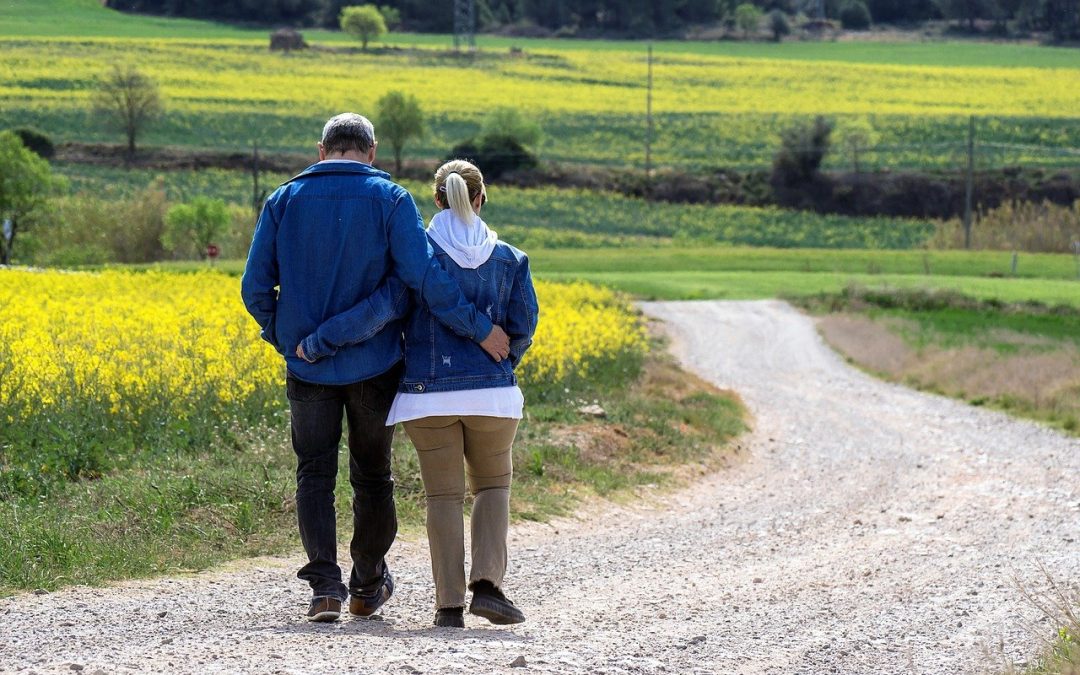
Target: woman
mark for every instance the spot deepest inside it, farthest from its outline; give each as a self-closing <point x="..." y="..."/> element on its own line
<point x="460" y="407"/>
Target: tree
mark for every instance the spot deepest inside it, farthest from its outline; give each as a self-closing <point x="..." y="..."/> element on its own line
<point x="364" y="22"/>
<point x="967" y="10"/>
<point x="747" y="18"/>
<point x="854" y="15"/>
<point x="26" y="183"/>
<point x="391" y="16"/>
<point x="129" y="101"/>
<point x="399" y="118"/>
<point x="803" y="147"/>
<point x="779" y="25"/>
<point x="199" y="223"/>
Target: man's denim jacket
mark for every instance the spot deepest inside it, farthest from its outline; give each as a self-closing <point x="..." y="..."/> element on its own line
<point x="328" y="240"/>
<point x="437" y="359"/>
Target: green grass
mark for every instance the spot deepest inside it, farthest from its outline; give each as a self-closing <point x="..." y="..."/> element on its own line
<point x="1021" y="358"/>
<point x="743" y="273"/>
<point x="87" y="18"/>
<point x="553" y="217"/>
<point x="185" y="510"/>
<point x="761" y="285"/>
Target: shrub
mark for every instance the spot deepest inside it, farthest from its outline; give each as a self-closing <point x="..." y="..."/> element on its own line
<point x="1024" y="226"/>
<point x="36" y="142"/>
<point x="747" y="18"/>
<point x="855" y="16"/>
<point x="778" y="25"/>
<point x="495" y="155"/>
<point x="193" y="227"/>
<point x="86" y="229"/>
<point x="802" y="149"/>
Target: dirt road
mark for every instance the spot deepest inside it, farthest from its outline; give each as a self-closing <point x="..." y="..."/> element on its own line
<point x="873" y="529"/>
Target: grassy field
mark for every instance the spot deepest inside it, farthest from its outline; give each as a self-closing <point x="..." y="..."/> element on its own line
<point x="87" y="18"/>
<point x="714" y="104"/>
<point x="1022" y="359"/>
<point x="552" y="217"/>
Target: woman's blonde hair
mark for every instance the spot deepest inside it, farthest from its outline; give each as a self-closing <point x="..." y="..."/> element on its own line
<point x="457" y="184"/>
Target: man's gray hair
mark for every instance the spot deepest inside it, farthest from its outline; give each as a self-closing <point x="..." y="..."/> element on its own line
<point x="348" y="131"/>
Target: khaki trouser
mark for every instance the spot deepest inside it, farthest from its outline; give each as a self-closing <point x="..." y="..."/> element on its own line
<point x="484" y="443"/>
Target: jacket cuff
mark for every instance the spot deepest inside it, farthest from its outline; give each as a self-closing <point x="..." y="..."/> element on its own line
<point x="311" y="349"/>
<point x="483" y="327"/>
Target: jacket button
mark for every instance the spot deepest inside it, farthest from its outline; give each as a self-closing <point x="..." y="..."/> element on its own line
<point x="418" y="387"/>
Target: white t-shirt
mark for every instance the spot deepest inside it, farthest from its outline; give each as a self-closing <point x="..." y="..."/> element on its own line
<point x="490" y="402"/>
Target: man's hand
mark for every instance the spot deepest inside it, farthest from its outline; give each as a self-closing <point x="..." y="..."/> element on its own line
<point x="496" y="344"/>
<point x="300" y="352"/>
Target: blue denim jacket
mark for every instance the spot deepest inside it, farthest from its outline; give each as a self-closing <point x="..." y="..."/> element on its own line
<point x="436" y="359"/>
<point x="328" y="240"/>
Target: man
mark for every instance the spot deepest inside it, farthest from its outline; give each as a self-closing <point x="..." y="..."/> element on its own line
<point x="325" y="241"/>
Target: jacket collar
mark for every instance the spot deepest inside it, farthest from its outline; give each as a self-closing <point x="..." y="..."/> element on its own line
<point x="339" y="168"/>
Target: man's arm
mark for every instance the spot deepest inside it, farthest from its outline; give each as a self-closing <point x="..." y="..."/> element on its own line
<point x="415" y="264"/>
<point x="259" y="285"/>
<point x="522" y="313"/>
<point x="360" y="322"/>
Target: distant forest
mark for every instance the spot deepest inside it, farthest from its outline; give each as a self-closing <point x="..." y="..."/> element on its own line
<point x="619" y="18"/>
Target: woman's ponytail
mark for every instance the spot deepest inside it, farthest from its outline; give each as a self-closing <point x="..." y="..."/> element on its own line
<point x="457" y="184"/>
<point x="457" y="198"/>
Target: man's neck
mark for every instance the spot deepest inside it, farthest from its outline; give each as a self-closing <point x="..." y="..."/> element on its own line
<point x="350" y="156"/>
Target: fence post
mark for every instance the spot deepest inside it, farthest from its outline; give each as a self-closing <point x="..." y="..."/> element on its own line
<point x="969" y="182"/>
<point x="648" y="119"/>
<point x="255" y="178"/>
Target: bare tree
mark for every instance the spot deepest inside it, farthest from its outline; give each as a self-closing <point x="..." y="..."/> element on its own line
<point x="129" y="100"/>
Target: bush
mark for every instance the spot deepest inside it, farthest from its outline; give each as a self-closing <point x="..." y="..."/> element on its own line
<point x="778" y="25"/>
<point x="193" y="227"/>
<point x="86" y="229"/>
<point x="495" y="155"/>
<point x="855" y="16"/>
<point x="802" y="149"/>
<point x="1040" y="228"/>
<point x="36" y="142"/>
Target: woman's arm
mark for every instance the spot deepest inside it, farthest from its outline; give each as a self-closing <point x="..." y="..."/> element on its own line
<point x="360" y="322"/>
<point x="522" y="313"/>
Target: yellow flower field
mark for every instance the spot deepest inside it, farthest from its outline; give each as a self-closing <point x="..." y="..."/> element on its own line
<point x="128" y="355"/>
<point x="708" y="109"/>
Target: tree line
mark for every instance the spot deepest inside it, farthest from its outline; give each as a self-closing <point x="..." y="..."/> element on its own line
<point x="625" y="18"/>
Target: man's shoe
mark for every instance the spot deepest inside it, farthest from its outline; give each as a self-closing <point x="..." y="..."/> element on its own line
<point x="450" y="617"/>
<point x="490" y="603"/>
<point x="366" y="604"/>
<point x="324" y="610"/>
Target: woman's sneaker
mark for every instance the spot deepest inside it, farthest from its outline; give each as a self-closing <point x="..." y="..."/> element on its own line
<point x="490" y="603"/>
<point x="450" y="617"/>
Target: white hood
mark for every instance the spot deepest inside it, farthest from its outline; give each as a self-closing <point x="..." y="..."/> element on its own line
<point x="469" y="245"/>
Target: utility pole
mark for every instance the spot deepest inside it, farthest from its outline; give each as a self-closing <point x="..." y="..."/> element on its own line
<point x="648" y="119"/>
<point x="969" y="183"/>
<point x="256" y="196"/>
<point x="465" y="24"/>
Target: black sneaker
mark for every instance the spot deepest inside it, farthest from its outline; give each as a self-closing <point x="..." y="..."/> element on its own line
<point x="324" y="610"/>
<point x="366" y="604"/>
<point x="490" y="603"/>
<point x="450" y="617"/>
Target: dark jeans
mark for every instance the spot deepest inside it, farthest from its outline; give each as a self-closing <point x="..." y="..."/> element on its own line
<point x="317" y="412"/>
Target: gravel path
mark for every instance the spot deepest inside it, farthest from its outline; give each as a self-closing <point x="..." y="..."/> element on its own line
<point x="873" y="529"/>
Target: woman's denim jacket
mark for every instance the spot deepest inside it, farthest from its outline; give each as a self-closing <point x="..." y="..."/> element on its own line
<point x="436" y="359"/>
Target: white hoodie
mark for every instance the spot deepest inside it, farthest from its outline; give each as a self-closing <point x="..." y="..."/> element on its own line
<point x="468" y="245"/>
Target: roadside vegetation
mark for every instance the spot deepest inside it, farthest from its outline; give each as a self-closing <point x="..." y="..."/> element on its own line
<point x="1020" y="357"/>
<point x="144" y="427"/>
